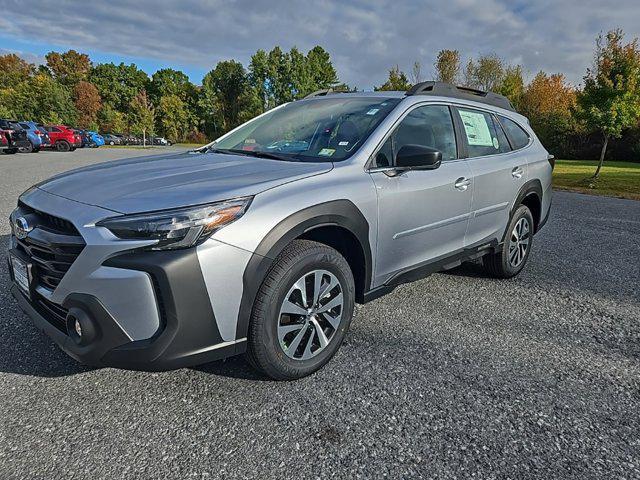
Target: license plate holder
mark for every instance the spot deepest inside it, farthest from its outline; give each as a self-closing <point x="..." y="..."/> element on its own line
<point x="21" y="274"/>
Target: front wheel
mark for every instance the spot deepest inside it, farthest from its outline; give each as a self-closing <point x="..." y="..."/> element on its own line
<point x="516" y="249"/>
<point x="28" y="149"/>
<point x="302" y="311"/>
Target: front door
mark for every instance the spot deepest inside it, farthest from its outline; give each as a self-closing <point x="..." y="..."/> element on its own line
<point x="422" y="214"/>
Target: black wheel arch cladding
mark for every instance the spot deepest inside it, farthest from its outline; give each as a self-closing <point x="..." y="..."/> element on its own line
<point x="342" y="213"/>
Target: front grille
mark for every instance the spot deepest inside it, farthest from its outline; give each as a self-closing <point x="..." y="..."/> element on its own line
<point x="53" y="245"/>
<point x="52" y="312"/>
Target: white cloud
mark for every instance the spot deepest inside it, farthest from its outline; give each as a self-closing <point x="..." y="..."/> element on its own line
<point x="364" y="38"/>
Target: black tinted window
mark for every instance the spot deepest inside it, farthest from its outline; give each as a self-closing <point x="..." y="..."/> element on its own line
<point x="518" y="137"/>
<point x="481" y="134"/>
<point x="430" y="126"/>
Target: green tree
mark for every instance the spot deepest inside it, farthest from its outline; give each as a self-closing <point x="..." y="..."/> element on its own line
<point x="486" y="73"/>
<point x="43" y="99"/>
<point x="226" y="87"/>
<point x="259" y="78"/>
<point x="173" y="117"/>
<point x="141" y="115"/>
<point x="512" y="85"/>
<point x="168" y="81"/>
<point x="448" y="66"/>
<point x="323" y="73"/>
<point x="610" y="100"/>
<point x="118" y="84"/>
<point x="69" y="67"/>
<point x="111" y="120"/>
<point x="397" y="81"/>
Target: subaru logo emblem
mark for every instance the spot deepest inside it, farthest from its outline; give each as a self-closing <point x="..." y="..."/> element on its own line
<point x="21" y="227"/>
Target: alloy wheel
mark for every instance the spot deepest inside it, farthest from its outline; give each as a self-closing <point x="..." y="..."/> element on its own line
<point x="519" y="244"/>
<point x="310" y="315"/>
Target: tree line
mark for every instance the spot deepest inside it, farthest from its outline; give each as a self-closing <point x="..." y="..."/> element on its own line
<point x="70" y="89"/>
<point x="572" y="122"/>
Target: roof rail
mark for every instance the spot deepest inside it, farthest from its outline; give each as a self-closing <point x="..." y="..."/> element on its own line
<point x="319" y="93"/>
<point x="466" y="93"/>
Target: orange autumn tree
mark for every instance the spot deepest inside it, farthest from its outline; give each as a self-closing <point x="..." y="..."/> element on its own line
<point x="549" y="101"/>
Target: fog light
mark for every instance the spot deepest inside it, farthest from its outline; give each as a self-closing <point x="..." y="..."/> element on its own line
<point x="81" y="327"/>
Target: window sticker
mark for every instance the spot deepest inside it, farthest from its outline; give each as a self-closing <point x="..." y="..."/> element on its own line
<point x="373" y="111"/>
<point x="326" y="152"/>
<point x="496" y="145"/>
<point x="476" y="128"/>
<point x="343" y="144"/>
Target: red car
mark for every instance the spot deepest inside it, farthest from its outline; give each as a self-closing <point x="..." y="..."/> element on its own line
<point x="63" y="139"/>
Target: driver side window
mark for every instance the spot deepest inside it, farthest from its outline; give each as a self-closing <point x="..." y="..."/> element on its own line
<point x="429" y="126"/>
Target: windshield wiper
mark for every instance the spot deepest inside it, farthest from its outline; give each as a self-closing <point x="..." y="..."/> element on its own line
<point x="250" y="153"/>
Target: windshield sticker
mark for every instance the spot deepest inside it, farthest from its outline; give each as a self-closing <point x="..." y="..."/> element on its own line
<point x="326" y="152"/>
<point x="343" y="144"/>
<point x="373" y="111"/>
<point x="496" y="145"/>
<point x="476" y="128"/>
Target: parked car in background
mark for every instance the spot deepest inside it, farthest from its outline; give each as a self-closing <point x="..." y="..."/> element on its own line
<point x="96" y="138"/>
<point x="63" y="138"/>
<point x="110" y="139"/>
<point x="15" y="135"/>
<point x="91" y="139"/>
<point x="161" y="141"/>
<point x="37" y="137"/>
<point x="44" y="135"/>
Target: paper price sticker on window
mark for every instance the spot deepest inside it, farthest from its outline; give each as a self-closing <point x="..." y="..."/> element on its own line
<point x="326" y="152"/>
<point x="476" y="128"/>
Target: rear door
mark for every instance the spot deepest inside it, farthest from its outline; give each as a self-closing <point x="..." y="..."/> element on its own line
<point x="422" y="214"/>
<point x="498" y="174"/>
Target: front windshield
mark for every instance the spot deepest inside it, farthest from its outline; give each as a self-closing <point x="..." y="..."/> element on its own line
<point x="317" y="130"/>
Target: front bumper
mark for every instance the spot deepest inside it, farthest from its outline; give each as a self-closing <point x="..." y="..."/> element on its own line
<point x="143" y="310"/>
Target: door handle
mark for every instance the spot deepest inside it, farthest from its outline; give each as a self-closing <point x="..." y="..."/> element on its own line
<point x="517" y="172"/>
<point x="462" y="184"/>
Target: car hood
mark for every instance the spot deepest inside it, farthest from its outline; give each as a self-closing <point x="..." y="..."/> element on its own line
<point x="176" y="180"/>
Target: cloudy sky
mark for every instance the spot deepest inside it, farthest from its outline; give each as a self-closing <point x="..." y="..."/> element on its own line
<point x="364" y="38"/>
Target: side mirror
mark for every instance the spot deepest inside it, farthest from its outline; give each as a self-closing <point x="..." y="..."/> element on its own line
<point x="418" y="157"/>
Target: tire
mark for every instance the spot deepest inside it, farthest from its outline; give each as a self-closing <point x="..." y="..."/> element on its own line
<point x="72" y="149"/>
<point x="279" y="356"/>
<point x="35" y="150"/>
<point x="28" y="149"/>
<point x="11" y="151"/>
<point x="63" y="146"/>
<point x="516" y="249"/>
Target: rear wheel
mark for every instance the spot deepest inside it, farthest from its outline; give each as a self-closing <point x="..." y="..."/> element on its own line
<point x="302" y="311"/>
<point x="63" y="146"/>
<point x="517" y="246"/>
<point x="28" y="149"/>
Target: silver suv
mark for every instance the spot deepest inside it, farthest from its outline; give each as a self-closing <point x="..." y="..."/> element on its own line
<point x="262" y="241"/>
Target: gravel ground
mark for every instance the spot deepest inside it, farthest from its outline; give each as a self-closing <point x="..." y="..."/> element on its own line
<point x="454" y="376"/>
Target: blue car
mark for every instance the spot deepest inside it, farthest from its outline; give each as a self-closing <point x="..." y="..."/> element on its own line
<point x="91" y="138"/>
<point x="37" y="136"/>
<point x="96" y="138"/>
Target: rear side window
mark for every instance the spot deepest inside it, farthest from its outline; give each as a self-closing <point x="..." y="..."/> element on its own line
<point x="481" y="134"/>
<point x="518" y="137"/>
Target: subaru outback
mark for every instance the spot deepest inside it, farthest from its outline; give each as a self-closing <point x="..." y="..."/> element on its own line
<point x="262" y="241"/>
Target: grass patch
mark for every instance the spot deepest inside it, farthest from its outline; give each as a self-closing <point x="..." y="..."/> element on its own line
<point x="617" y="179"/>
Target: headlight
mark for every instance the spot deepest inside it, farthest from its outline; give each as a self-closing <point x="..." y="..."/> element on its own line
<point x="179" y="228"/>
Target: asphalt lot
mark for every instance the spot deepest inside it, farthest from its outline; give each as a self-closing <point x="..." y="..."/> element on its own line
<point x="456" y="375"/>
